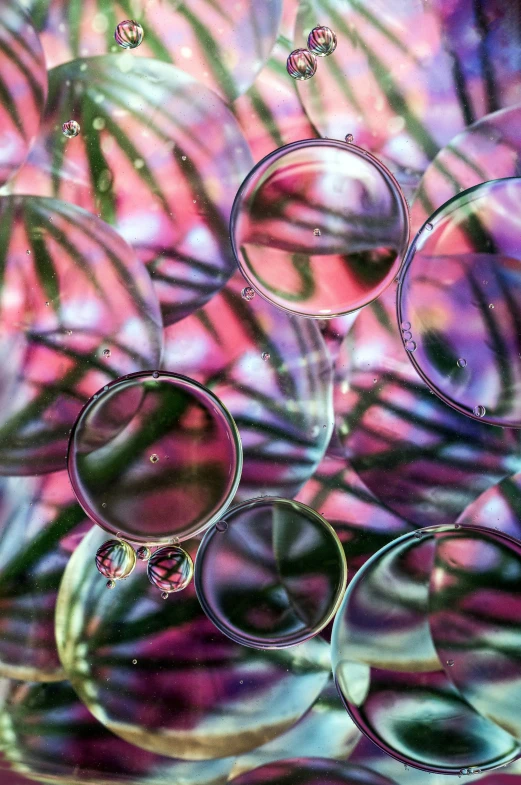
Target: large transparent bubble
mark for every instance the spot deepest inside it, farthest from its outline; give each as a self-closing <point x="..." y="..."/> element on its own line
<point x="154" y="456"/>
<point x="459" y="301"/>
<point x="311" y="771"/>
<point x="160" y="675"/>
<point x="426" y="606"/>
<point x="270" y="573"/>
<point x="319" y="228"/>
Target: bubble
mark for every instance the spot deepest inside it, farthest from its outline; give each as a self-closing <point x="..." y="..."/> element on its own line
<point x="155" y="375"/>
<point x="311" y="771"/>
<point x="350" y="138"/>
<point x="248" y="293"/>
<point x="317" y="232"/>
<point x="406" y="326"/>
<point x="288" y="577"/>
<point x="462" y="363"/>
<point x="301" y="64"/>
<point x="71" y="129"/>
<point x="111" y="584"/>
<point x="322" y="41"/>
<point x="389" y="657"/>
<point x="115" y="559"/>
<point x="164" y="595"/>
<point x="491" y="306"/>
<point x="479" y="411"/>
<point x="363" y="223"/>
<point x="110" y="460"/>
<point x="410" y="346"/>
<point x="143" y="553"/>
<point x="429" y="227"/>
<point x="450" y="663"/>
<point x="221" y="526"/>
<point x="406" y="335"/>
<point x="128" y="34"/>
<point x="106" y="352"/>
<point x="134" y="662"/>
<point x="266" y="356"/>
<point x="170" y="569"/>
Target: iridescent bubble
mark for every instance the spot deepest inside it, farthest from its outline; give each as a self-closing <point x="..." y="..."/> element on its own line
<point x="322" y="41"/>
<point x="248" y="293"/>
<point x="176" y="490"/>
<point x="413" y="604"/>
<point x="143" y="553"/>
<point x="274" y="577"/>
<point x="128" y="34"/>
<point x="363" y="222"/>
<point x="170" y="569"/>
<point x="115" y="559"/>
<point x="301" y="64"/>
<point x="71" y="129"/>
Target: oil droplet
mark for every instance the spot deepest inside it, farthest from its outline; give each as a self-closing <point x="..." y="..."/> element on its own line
<point x="479" y="411"/>
<point x="111" y="584"/>
<point x="170" y="569"/>
<point x="71" y="129"/>
<point x="155" y="375"/>
<point x="128" y="34"/>
<point x="134" y="662"/>
<point x="221" y="526"/>
<point x="143" y="553"/>
<point x="164" y="595"/>
<point x="317" y="232"/>
<point x="410" y="346"/>
<point x="462" y="363"/>
<point x="106" y="352"/>
<point x="248" y="293"/>
<point x="301" y="64"/>
<point x="350" y="138"/>
<point x="406" y="326"/>
<point x="322" y="41"/>
<point x="154" y="458"/>
<point x="407" y="335"/>
<point x="115" y="559"/>
<point x="491" y="306"/>
<point x="429" y="227"/>
<point x="266" y="356"/>
<point x="450" y="663"/>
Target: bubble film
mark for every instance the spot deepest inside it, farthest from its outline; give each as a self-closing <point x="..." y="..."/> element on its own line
<point x="356" y="205"/>
<point x="392" y="661"/>
<point x="461" y="292"/>
<point x="192" y="693"/>
<point x="274" y="576"/>
<point x="186" y="430"/>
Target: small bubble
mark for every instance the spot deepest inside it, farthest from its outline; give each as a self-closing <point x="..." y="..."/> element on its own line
<point x="479" y="411"/>
<point x="241" y="681"/>
<point x="407" y="335"/>
<point x="410" y="346"/>
<point x="350" y="138"/>
<point x="374" y="381"/>
<point x="406" y="326"/>
<point x="47" y="303"/>
<point x="106" y="352"/>
<point x="71" y="129"/>
<point x="418" y="534"/>
<point x="134" y="662"/>
<point x="154" y="458"/>
<point x="164" y="595"/>
<point x="69" y="332"/>
<point x="155" y="375"/>
<point x="128" y="34"/>
<point x="317" y="232"/>
<point x="429" y="227"/>
<point x="491" y="306"/>
<point x="143" y="553"/>
<point x="111" y="584"/>
<point x="322" y="41"/>
<point x="301" y="64"/>
<point x="103" y="504"/>
<point x="266" y="356"/>
<point x="462" y="362"/>
<point x="457" y="525"/>
<point x="221" y="526"/>
<point x="28" y="252"/>
<point x="450" y="663"/>
<point x="248" y="293"/>
<point x="183" y="158"/>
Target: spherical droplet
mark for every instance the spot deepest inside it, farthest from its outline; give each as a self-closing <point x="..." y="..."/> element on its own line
<point x="155" y="375"/>
<point x="248" y="293"/>
<point x="71" y="128"/>
<point x="266" y="356"/>
<point x="462" y="362"/>
<point x="479" y="411"/>
<point x="406" y="335"/>
<point x="164" y="595"/>
<point x="134" y="662"/>
<point x="301" y="64"/>
<point x="406" y="326"/>
<point x="350" y="138"/>
<point x="106" y="352"/>
<point x="128" y="34"/>
<point x="491" y="306"/>
<point x="115" y="559"/>
<point x="111" y="584"/>
<point x="322" y="41"/>
<point x="143" y="553"/>
<point x="410" y="346"/>
<point x="221" y="526"/>
<point x="450" y="663"/>
<point x="170" y="569"/>
<point x="154" y="458"/>
<point x="317" y="232"/>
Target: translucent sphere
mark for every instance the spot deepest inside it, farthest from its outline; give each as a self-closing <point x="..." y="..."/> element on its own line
<point x="461" y="292"/>
<point x="143" y="553"/>
<point x="301" y="64"/>
<point x="273" y="576"/>
<point x="363" y="220"/>
<point x="419" y="654"/>
<point x="170" y="569"/>
<point x="71" y="128"/>
<point x="128" y="34"/>
<point x="115" y="559"/>
<point x="154" y="456"/>
<point x="322" y="41"/>
<point x="248" y="293"/>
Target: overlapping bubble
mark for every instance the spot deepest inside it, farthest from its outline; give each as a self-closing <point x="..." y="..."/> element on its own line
<point x="270" y="573"/>
<point x="154" y="456"/>
<point x="319" y="228"/>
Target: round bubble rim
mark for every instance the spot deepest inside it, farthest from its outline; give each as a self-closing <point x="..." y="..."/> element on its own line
<point x="280" y="152"/>
<point x="214" y="532"/>
<point x="417" y="535"/>
<point x="235" y="439"/>
<point x="487" y="419"/>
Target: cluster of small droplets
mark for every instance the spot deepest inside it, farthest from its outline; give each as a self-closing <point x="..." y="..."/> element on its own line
<point x="71" y="129"/>
<point x="410" y="345"/>
<point x="128" y="34"/>
<point x="302" y="63"/>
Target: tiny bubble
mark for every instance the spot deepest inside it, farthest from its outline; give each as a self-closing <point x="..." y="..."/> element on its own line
<point x="407" y="335"/>
<point x="462" y="362"/>
<point x="450" y="663"/>
<point x="134" y="662"/>
<point x="491" y="306"/>
<point x="155" y="375"/>
<point x="317" y="232"/>
<point x="221" y="526"/>
<point x="47" y="303"/>
<point x="154" y="458"/>
<point x="111" y="584"/>
<point x="183" y="157"/>
<point x="103" y="504"/>
<point x="429" y="227"/>
<point x="406" y="326"/>
<point x="164" y="595"/>
<point x="106" y="352"/>
<point x="418" y="534"/>
<point x="410" y="346"/>
<point x="479" y="411"/>
<point x="248" y="293"/>
<point x="349" y="138"/>
<point x="266" y="356"/>
<point x="27" y="252"/>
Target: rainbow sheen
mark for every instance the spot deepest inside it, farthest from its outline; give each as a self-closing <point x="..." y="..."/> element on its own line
<point x="170" y="569"/>
<point x="271" y="574"/>
<point x="301" y="64"/>
<point x="359" y="209"/>
<point x="322" y="41"/>
<point x="128" y="34"/>
<point x="115" y="559"/>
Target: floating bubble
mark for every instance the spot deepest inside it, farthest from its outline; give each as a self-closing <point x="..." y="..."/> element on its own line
<point x="274" y="577"/>
<point x="462" y="363"/>
<point x="454" y="314"/>
<point x="143" y="553"/>
<point x="408" y="610"/>
<point x="301" y="64"/>
<point x="71" y="129"/>
<point x="114" y="452"/>
<point x="363" y="222"/>
<point x="170" y="569"/>
<point x="266" y="356"/>
<point x="317" y="232"/>
<point x="111" y="584"/>
<point x="106" y="352"/>
<point x="322" y="41"/>
<point x="248" y="293"/>
<point x="410" y="346"/>
<point x="115" y="559"/>
<point x="350" y="138"/>
<point x="128" y="34"/>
